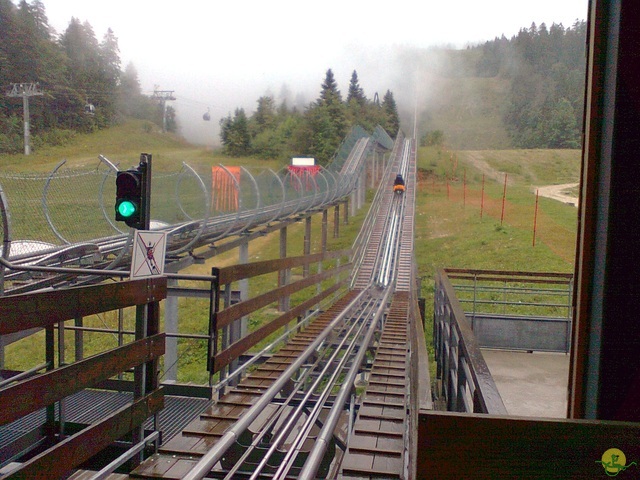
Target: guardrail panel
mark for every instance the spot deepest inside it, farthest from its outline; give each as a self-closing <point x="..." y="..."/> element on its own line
<point x="63" y="457"/>
<point x="29" y="310"/>
<point x="34" y="393"/>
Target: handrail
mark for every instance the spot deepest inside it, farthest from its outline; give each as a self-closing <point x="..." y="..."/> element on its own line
<point x="89" y="271"/>
<point x="27" y="394"/>
<point x="223" y="318"/>
<point x="466" y="380"/>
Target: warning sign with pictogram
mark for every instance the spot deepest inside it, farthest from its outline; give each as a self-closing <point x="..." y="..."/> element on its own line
<point x="148" y="254"/>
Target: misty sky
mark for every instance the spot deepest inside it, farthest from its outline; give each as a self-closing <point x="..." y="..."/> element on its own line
<point x="222" y="55"/>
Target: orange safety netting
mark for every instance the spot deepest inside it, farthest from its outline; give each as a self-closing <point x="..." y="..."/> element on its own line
<point x="223" y="188"/>
<point x="305" y="174"/>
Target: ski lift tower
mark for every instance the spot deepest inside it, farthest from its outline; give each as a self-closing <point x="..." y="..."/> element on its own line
<point x="25" y="90"/>
<point x="163" y="96"/>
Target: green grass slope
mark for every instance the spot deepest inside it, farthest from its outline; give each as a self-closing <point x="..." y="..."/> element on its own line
<point x="123" y="144"/>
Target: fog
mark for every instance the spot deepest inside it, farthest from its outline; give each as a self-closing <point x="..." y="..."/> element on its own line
<point x="217" y="57"/>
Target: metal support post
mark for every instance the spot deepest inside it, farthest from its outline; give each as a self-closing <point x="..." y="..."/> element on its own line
<point x="50" y="359"/>
<point x="323" y="246"/>
<point x="325" y="222"/>
<point x="171" y="326"/>
<point x="353" y="203"/>
<point x="79" y="338"/>
<point x="214" y="308"/>
<point x="363" y="188"/>
<point x="372" y="170"/>
<point x="346" y="212"/>
<point x="25" y="90"/>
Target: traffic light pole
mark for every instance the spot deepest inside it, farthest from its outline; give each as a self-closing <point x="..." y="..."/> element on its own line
<point x="147" y="316"/>
<point x="145" y="208"/>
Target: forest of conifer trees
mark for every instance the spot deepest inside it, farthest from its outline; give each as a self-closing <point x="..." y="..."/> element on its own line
<point x="546" y="69"/>
<point x="81" y="80"/>
<point x="84" y="88"/>
<point x="281" y="132"/>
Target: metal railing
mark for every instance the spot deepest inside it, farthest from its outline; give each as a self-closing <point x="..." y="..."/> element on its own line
<point x="516" y="310"/>
<point x="465" y="382"/>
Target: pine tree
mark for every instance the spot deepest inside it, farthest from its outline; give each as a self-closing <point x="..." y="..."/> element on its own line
<point x="109" y="74"/>
<point x="264" y="116"/>
<point x="329" y="95"/>
<point x="392" y="119"/>
<point x="356" y="93"/>
<point x="328" y="120"/>
<point x="234" y="134"/>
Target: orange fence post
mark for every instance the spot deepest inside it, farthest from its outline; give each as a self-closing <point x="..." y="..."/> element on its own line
<point x="464" y="188"/>
<point x="535" y="219"/>
<point x="504" y="196"/>
<point x="482" y="197"/>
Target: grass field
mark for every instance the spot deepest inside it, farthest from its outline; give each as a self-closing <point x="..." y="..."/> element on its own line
<point x="123" y="144"/>
<point x="457" y="225"/>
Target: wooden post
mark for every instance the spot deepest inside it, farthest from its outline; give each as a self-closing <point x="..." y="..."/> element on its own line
<point x="307" y="244"/>
<point x="282" y="275"/>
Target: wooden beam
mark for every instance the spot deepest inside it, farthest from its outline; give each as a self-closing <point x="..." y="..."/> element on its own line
<point x="38" y="310"/>
<point x="253" y="269"/>
<point x="67" y="455"/>
<point x="239" y="310"/>
<point x="226" y="356"/>
<point x="34" y="393"/>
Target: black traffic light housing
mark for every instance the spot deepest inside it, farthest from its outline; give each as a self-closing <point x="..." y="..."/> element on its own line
<point x="129" y="198"/>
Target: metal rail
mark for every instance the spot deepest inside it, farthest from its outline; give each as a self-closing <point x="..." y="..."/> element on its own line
<point x="207" y="462"/>
<point x="319" y="379"/>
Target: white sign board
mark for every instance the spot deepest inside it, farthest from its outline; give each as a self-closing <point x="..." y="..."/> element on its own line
<point x="303" y="161"/>
<point x="148" y="254"/>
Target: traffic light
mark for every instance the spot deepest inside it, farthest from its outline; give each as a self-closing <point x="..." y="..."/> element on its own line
<point x="129" y="198"/>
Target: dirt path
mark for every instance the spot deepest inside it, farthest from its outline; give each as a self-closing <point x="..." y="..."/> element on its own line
<point x="557" y="192"/>
<point x="474" y="157"/>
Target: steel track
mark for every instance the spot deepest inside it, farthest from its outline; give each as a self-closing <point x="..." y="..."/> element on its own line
<point x="333" y="402"/>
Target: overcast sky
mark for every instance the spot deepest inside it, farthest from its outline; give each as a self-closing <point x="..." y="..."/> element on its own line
<point x="222" y="55"/>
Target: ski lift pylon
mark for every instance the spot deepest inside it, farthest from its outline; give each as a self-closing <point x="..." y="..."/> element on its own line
<point x="89" y="109"/>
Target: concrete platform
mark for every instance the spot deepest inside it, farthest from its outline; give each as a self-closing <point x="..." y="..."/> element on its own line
<point x="531" y="384"/>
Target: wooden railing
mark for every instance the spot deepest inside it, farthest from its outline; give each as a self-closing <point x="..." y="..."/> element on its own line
<point x="420" y="376"/>
<point x="223" y="355"/>
<point x="52" y="451"/>
<point x="465" y="442"/>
